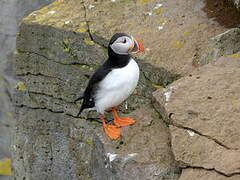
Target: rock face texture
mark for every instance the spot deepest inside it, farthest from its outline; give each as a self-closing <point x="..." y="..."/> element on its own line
<point x="53" y="66"/>
<point x="169" y="30"/>
<point x="191" y="131"/>
<point x="226" y="43"/>
<point x="11" y="11"/>
<point x="236" y="3"/>
<point x="203" y="112"/>
<point x="55" y="143"/>
<point x="143" y="152"/>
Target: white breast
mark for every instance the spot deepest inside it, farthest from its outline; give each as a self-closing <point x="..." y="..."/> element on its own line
<point x="117" y="86"/>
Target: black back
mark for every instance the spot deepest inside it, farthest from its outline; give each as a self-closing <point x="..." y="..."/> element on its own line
<point x="114" y="61"/>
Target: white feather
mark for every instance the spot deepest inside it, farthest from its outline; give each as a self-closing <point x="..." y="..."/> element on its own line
<point x="117" y="86"/>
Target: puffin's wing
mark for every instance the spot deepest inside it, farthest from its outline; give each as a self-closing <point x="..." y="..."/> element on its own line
<point x="88" y="96"/>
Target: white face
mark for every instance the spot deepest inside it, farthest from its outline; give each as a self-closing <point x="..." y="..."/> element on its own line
<point x="122" y="45"/>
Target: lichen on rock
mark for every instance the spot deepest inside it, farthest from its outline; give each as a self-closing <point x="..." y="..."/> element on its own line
<point x="61" y="45"/>
<point x="55" y="63"/>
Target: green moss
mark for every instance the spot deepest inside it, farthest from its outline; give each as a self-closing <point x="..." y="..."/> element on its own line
<point x="86" y="66"/>
<point x="66" y="45"/>
<point x="21" y="86"/>
<point x="157" y="86"/>
<point x="89" y="142"/>
<point x="88" y="41"/>
<point x="66" y="42"/>
<point x="67" y="49"/>
<point x="18" y="35"/>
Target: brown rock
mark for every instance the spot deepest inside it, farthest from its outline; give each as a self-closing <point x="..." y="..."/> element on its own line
<point x="201" y="174"/>
<point x="199" y="151"/>
<point x="171" y="33"/>
<point x="203" y="109"/>
<point x="142" y="152"/>
<point x="170" y="30"/>
<point x="207" y="101"/>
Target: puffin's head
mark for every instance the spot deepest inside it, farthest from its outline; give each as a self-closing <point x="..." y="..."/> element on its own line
<point x="123" y="44"/>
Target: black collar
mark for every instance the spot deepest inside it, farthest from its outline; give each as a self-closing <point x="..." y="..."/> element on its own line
<point x="117" y="60"/>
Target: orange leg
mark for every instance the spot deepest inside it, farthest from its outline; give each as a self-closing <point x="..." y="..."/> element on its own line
<point x="112" y="131"/>
<point x="123" y="121"/>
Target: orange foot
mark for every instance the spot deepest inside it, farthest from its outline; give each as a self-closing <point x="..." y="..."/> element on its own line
<point x="123" y="121"/>
<point x="112" y="131"/>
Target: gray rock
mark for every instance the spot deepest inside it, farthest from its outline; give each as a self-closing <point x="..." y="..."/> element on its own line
<point x="11" y="11"/>
<point x="139" y="153"/>
<point x="54" y="61"/>
<point x="51" y="145"/>
<point x="227" y="43"/>
<point x="59" y="47"/>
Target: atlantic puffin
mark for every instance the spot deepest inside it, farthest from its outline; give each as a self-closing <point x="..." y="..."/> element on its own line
<point x="113" y="82"/>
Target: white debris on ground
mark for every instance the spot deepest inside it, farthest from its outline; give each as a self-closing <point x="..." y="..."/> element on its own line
<point x="167" y="93"/>
<point x="109" y="158"/>
<point x="160" y="27"/>
<point x="91" y="6"/>
<point x="67" y="22"/>
<point x="51" y="12"/>
<point x="158" y="5"/>
<point x="191" y="133"/>
<point x="149" y="13"/>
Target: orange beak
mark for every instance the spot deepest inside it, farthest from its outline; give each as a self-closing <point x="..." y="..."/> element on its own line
<point x="140" y="46"/>
<point x="137" y="47"/>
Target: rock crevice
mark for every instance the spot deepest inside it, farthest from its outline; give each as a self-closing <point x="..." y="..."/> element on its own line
<point x="191" y="129"/>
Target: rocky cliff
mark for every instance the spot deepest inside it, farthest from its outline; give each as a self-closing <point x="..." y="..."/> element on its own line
<point x="11" y="11"/>
<point x="187" y="128"/>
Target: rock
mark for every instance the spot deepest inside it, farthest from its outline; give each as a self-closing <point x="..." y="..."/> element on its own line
<point x="139" y="153"/>
<point x="202" y="109"/>
<point x="236" y="3"/>
<point x="55" y="57"/>
<point x="174" y="43"/>
<point x="198" y="151"/>
<point x="11" y="11"/>
<point x="51" y="145"/>
<point x="58" y="49"/>
<point x="227" y="43"/>
<point x="169" y="30"/>
<point x="200" y="174"/>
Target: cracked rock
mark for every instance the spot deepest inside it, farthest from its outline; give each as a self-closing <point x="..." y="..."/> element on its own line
<point x="203" y="110"/>
<point x="227" y="43"/>
<point x="175" y="47"/>
<point x="55" y="58"/>
<point x="199" y="151"/>
<point x="142" y="152"/>
<point x="201" y="174"/>
<point x="51" y="145"/>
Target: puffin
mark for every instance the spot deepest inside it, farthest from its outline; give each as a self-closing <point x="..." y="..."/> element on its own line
<point x="113" y="82"/>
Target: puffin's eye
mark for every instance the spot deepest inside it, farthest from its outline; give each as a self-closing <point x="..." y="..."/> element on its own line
<point x="124" y="41"/>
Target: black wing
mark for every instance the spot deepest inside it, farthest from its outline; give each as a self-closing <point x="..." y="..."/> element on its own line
<point x="88" y="95"/>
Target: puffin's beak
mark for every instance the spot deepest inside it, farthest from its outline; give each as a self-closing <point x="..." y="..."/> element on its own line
<point x="137" y="47"/>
